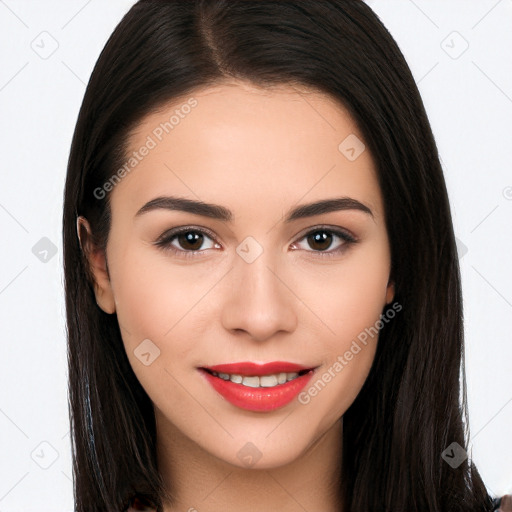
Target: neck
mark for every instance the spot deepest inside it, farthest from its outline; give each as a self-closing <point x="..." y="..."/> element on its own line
<point x="199" y="481"/>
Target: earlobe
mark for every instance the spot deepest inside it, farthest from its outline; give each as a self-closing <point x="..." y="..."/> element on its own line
<point x="97" y="266"/>
<point x="390" y="292"/>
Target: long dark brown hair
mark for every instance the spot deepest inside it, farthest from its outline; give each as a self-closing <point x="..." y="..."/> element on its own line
<point x="412" y="406"/>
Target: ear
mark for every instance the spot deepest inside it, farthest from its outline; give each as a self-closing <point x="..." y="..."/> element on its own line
<point x="96" y="260"/>
<point x="390" y="291"/>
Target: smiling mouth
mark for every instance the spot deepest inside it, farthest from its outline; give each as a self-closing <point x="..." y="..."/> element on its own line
<point x="258" y="387"/>
<point x="259" y="381"/>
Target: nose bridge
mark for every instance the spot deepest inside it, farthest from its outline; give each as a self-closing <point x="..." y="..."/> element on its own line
<point x="259" y="303"/>
<point x="258" y="275"/>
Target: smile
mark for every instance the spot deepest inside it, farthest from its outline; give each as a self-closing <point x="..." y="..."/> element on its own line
<point x="257" y="387"/>
<point x="255" y="381"/>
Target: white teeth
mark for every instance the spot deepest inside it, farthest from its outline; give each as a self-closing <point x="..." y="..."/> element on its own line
<point x="252" y="382"/>
<point x="265" y="381"/>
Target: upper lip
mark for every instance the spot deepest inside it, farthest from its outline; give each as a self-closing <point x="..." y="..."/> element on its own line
<point x="248" y="368"/>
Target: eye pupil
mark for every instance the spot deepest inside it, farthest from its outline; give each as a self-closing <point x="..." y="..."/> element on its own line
<point x="320" y="237"/>
<point x="191" y="237"/>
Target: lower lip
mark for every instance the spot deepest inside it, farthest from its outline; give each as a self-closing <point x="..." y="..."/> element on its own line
<point x="258" y="399"/>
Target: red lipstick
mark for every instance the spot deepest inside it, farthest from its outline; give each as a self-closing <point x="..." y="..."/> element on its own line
<point x="241" y="385"/>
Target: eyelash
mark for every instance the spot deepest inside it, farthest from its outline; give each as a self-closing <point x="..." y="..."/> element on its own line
<point x="164" y="241"/>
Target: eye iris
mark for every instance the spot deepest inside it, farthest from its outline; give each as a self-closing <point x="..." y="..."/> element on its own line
<point x="191" y="237"/>
<point x="320" y="237"/>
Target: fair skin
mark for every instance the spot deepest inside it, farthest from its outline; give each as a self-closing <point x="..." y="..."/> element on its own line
<point x="258" y="153"/>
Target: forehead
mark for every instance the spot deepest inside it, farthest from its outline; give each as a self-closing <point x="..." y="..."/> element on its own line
<point x="241" y="144"/>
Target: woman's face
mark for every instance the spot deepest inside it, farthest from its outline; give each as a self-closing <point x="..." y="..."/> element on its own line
<point x="249" y="282"/>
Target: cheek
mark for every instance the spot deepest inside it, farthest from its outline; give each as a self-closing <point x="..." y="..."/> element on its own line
<point x="160" y="302"/>
<point x="352" y="295"/>
<point x="155" y="299"/>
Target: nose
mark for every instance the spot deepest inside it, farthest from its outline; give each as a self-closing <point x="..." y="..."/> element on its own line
<point x="258" y="299"/>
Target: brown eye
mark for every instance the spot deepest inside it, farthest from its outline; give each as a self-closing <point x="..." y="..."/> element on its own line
<point x="186" y="241"/>
<point x="191" y="240"/>
<point x="320" y="240"/>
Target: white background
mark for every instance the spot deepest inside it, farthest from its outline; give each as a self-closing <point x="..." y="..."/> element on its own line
<point x="468" y="97"/>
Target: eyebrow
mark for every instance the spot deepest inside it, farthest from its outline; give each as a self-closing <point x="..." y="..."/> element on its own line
<point x="218" y="212"/>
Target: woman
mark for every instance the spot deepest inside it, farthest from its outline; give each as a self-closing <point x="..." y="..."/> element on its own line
<point x="308" y="357"/>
